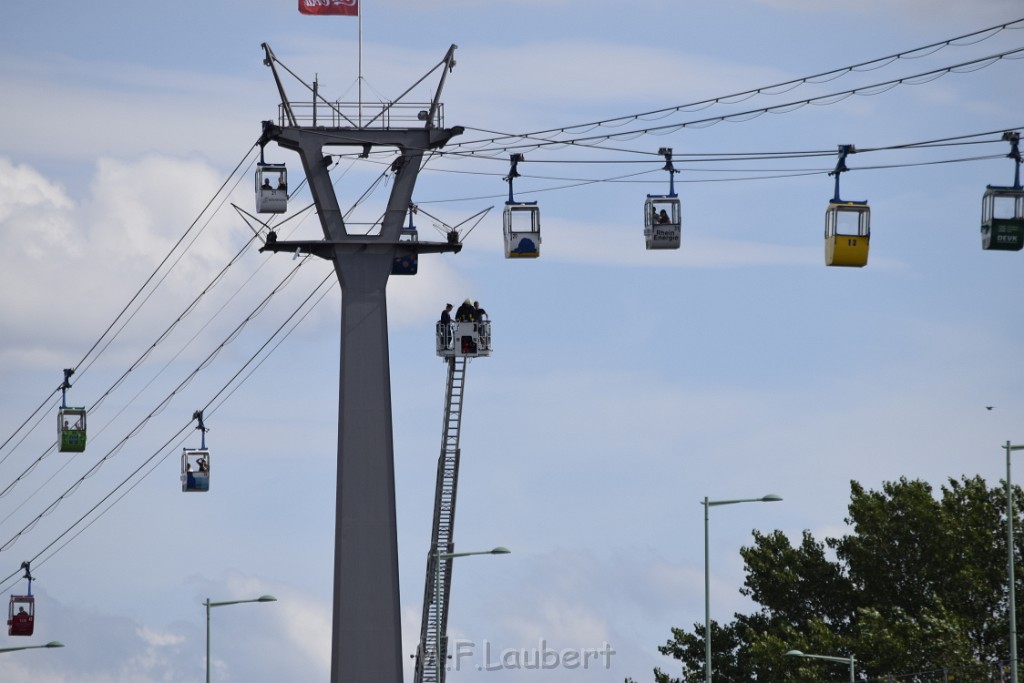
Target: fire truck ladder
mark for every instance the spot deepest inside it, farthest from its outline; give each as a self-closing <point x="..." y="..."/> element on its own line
<point x="434" y="627"/>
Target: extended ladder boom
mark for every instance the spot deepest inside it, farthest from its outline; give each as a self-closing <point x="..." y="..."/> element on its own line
<point x="433" y="631"/>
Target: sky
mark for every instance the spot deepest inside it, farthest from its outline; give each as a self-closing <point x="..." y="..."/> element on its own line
<point x="625" y="386"/>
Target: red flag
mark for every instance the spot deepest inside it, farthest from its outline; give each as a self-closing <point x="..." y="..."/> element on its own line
<point x="349" y="8"/>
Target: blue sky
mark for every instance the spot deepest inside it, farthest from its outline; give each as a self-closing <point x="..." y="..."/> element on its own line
<point x="625" y="385"/>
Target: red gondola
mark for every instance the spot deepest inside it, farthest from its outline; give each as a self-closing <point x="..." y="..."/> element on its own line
<point x="22" y="614"/>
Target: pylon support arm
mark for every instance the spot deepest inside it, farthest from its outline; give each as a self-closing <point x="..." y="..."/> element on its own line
<point x="329" y="250"/>
<point x="309" y="143"/>
<point x="270" y="60"/>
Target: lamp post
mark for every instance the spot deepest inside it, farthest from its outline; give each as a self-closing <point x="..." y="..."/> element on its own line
<point x="439" y="656"/>
<point x="770" y="498"/>
<point x="1009" y="563"/>
<point x="842" y="660"/>
<point x="52" y="643"/>
<point x="262" y="598"/>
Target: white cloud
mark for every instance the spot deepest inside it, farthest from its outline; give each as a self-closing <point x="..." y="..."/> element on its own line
<point x="34" y="212"/>
<point x="158" y="638"/>
<point x="134" y="214"/>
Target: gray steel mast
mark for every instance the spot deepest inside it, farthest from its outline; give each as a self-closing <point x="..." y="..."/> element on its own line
<point x="366" y="639"/>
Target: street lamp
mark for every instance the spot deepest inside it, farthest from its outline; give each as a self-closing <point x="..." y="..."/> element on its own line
<point x="842" y="660"/>
<point x="1009" y="563"/>
<point x="770" y="498"/>
<point x="52" y="643"/>
<point x="439" y="656"/>
<point x="262" y="598"/>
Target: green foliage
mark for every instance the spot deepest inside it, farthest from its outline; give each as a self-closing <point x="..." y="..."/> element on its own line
<point x="919" y="584"/>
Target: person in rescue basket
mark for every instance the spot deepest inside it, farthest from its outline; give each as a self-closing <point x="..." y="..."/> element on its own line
<point x="446" y="325"/>
<point x="466" y="312"/>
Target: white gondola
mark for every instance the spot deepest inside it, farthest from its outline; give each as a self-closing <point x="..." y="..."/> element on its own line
<point x="1002" y="208"/>
<point x="469" y="339"/>
<point x="195" y="470"/>
<point x="662" y="222"/>
<point x="271" y="188"/>
<point x="521" y="220"/>
<point x="521" y="225"/>
<point x="661" y="211"/>
<point x="1002" y="218"/>
<point x="195" y="462"/>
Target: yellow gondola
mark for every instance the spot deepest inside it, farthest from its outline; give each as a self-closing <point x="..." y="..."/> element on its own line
<point x="847" y="233"/>
<point x="847" y="224"/>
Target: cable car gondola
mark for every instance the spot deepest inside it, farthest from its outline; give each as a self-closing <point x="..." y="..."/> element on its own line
<point x="70" y="421"/>
<point x="847" y="224"/>
<point x="1002" y="208"/>
<point x="520" y="221"/>
<point x="271" y="188"/>
<point x="21" y="616"/>
<point x="661" y="212"/>
<point x="195" y="462"/>
<point x="407" y="260"/>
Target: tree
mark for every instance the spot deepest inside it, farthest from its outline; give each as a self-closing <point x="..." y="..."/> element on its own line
<point x="919" y="584"/>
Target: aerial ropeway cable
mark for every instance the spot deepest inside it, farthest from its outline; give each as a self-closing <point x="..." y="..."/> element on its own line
<point x="777" y="88"/>
<point x="233" y="381"/>
<point x="742" y="116"/>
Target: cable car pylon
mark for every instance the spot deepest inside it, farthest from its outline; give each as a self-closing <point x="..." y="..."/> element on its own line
<point x="1002" y="207"/>
<point x="366" y="638"/>
<point x="847" y="223"/>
